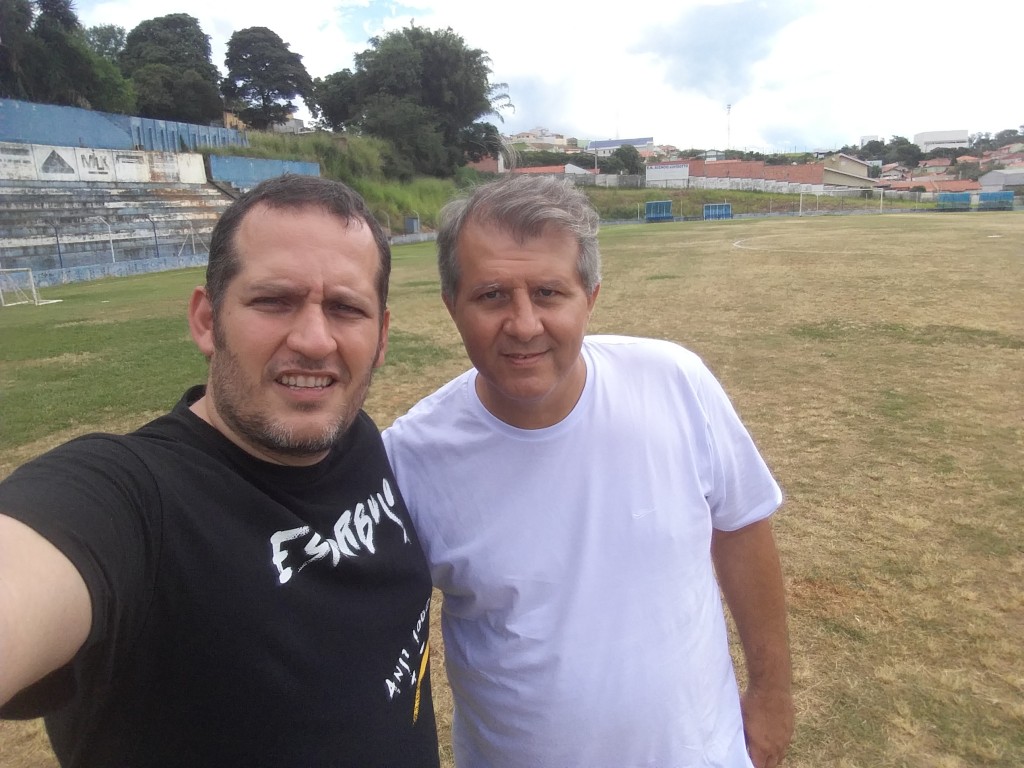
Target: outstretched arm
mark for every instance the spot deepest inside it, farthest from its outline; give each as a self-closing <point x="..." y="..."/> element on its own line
<point x="45" y="609"/>
<point x="747" y="564"/>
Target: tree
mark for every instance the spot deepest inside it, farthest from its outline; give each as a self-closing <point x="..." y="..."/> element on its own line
<point x="164" y="94"/>
<point x="410" y="128"/>
<point x="1007" y="136"/>
<point x="901" y="150"/>
<point x="188" y="89"/>
<point x="971" y="171"/>
<point x="60" y="13"/>
<point x="176" y="40"/>
<point x="18" y="47"/>
<point x="44" y="57"/>
<point x="418" y="72"/>
<point x="337" y="99"/>
<point x="872" y="150"/>
<point x="629" y="159"/>
<point x="106" y="40"/>
<point x="264" y="76"/>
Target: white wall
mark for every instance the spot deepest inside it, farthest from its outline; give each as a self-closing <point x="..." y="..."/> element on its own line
<point x="38" y="162"/>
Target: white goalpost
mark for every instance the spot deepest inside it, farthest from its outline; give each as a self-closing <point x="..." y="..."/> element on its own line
<point x="17" y="286"/>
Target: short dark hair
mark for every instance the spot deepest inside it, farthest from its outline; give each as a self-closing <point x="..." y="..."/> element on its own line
<point x="295" y="192"/>
<point x="524" y="206"/>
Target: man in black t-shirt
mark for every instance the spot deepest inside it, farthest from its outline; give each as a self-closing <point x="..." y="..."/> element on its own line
<point x="237" y="582"/>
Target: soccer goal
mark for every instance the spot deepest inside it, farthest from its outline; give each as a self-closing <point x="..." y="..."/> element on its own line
<point x="17" y="286"/>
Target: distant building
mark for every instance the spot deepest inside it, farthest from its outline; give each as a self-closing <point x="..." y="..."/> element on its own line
<point x="841" y="170"/>
<point x="1001" y="180"/>
<point x="538" y="139"/>
<point x="931" y="184"/>
<point x="942" y="140"/>
<point x="568" y="168"/>
<point x="838" y="170"/>
<point x="489" y="164"/>
<point x="894" y="172"/>
<point x="865" y="139"/>
<point x="291" y="125"/>
<point x="605" y="147"/>
<point x="936" y="165"/>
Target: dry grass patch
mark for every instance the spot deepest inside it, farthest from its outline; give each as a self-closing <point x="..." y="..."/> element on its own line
<point x="879" y="364"/>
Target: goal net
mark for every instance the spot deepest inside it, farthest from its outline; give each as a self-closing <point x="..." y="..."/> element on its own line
<point x="18" y="287"/>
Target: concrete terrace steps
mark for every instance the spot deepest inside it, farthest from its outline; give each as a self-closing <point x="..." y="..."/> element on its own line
<point x="49" y="225"/>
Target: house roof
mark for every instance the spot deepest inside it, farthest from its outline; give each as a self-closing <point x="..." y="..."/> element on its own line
<point x="616" y="143"/>
<point x="541" y="169"/>
<point x="936" y="185"/>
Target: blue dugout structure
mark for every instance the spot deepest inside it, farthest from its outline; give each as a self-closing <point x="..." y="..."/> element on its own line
<point x="713" y="211"/>
<point x="658" y="210"/>
<point x="995" y="201"/>
<point x="962" y="201"/>
<point x="953" y="201"/>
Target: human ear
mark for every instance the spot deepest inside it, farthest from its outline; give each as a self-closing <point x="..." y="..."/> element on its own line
<point x="200" y="320"/>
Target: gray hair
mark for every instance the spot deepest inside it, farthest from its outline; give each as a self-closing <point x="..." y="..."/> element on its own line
<point x="524" y="206"/>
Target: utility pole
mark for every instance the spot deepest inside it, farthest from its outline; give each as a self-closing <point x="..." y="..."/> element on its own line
<point x="728" y="125"/>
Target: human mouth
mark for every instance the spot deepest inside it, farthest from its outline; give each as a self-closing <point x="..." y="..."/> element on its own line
<point x="305" y="382"/>
<point x="523" y="356"/>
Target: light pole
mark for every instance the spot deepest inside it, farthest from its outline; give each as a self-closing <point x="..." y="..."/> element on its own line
<point x="56" y="235"/>
<point x="156" y="242"/>
<point x="110" y="237"/>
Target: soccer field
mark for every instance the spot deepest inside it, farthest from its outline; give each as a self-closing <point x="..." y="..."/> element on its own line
<point x="878" y="362"/>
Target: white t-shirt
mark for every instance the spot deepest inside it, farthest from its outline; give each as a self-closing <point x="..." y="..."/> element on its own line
<point x="582" y="621"/>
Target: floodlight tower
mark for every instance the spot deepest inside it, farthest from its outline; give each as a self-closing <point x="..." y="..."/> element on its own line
<point x="728" y="125"/>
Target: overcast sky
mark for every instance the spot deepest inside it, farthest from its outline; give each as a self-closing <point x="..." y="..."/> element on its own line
<point x="778" y="75"/>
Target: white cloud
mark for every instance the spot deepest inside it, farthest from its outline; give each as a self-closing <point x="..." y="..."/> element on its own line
<point x="798" y="74"/>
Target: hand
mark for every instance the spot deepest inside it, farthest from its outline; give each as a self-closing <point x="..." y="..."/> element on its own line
<point x="768" y="725"/>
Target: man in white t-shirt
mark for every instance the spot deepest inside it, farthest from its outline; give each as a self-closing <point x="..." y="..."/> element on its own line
<point x="576" y="497"/>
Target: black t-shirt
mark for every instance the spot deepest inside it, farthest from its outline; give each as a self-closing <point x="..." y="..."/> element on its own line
<point x="244" y="613"/>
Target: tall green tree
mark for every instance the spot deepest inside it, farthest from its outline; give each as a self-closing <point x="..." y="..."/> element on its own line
<point x="164" y="94"/>
<point x="106" y="40"/>
<point x="45" y="57"/>
<point x="337" y="99"/>
<point x="426" y="81"/>
<point x="629" y="160"/>
<point x="902" y="150"/>
<point x="177" y="42"/>
<point x="18" y="47"/>
<point x="264" y="77"/>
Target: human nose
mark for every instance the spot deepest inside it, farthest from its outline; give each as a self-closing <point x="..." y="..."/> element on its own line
<point x="523" y="322"/>
<point x="311" y="335"/>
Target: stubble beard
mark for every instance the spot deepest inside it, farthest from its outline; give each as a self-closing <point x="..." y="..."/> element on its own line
<point x="237" y="403"/>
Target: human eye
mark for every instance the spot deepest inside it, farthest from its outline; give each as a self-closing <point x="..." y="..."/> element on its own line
<point x="547" y="294"/>
<point x="490" y="295"/>
<point x="269" y="303"/>
<point x="345" y="309"/>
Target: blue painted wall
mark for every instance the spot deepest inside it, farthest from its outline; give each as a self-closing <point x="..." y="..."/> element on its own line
<point x="28" y="123"/>
<point x="245" y="172"/>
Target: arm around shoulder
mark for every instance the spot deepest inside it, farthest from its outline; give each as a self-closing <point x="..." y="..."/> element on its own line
<point x="45" y="608"/>
<point x="747" y="564"/>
